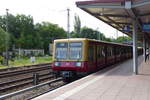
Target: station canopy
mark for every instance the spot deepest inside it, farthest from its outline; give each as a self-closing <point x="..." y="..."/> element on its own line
<point x="120" y="14"/>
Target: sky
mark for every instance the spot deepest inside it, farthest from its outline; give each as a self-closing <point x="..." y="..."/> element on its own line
<point x="55" y="11"/>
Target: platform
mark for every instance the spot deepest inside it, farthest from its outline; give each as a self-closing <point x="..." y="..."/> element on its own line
<point x="116" y="83"/>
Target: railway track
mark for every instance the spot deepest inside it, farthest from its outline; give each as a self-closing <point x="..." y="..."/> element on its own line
<point x="22" y="67"/>
<point x="34" y="91"/>
<point x="41" y="68"/>
<point x="24" y="77"/>
<point x="23" y="82"/>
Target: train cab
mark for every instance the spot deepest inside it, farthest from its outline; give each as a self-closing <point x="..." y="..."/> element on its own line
<point x="69" y="57"/>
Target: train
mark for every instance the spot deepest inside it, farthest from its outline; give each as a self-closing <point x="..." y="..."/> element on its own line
<point x="81" y="56"/>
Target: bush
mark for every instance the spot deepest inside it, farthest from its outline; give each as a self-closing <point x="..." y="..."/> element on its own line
<point x="1" y="59"/>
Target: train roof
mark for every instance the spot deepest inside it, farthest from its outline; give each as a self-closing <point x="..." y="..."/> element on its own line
<point x="84" y="39"/>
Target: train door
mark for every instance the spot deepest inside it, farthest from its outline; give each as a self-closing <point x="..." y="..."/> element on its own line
<point x="115" y="54"/>
<point x="118" y="53"/>
<point x="91" y="58"/>
<point x="108" y="55"/>
<point x="121" y="53"/>
<point x="105" y="49"/>
<point x="95" y="56"/>
<point x="100" y="56"/>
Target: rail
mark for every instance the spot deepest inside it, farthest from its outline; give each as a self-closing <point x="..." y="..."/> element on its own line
<point x="28" y="89"/>
<point x="7" y="74"/>
<point x="21" y="67"/>
<point x="25" y="81"/>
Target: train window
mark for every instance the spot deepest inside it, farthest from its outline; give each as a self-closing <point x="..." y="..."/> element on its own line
<point x="75" y="50"/>
<point x="91" y="53"/>
<point x="61" y="50"/>
<point x="109" y="51"/>
<point x="117" y="50"/>
<point x="100" y="51"/>
<point x="122" y="51"/>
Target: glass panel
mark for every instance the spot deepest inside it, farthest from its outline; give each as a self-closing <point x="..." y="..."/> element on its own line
<point x="100" y="51"/>
<point x="61" y="50"/>
<point x="109" y="51"/>
<point x="75" y="50"/>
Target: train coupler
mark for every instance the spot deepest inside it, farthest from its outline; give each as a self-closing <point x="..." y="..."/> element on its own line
<point x="67" y="74"/>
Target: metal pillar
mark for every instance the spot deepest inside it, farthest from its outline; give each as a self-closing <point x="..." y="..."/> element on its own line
<point x="144" y="48"/>
<point x="6" y="41"/>
<point x="148" y="50"/>
<point x="135" y="57"/>
<point x="68" y="22"/>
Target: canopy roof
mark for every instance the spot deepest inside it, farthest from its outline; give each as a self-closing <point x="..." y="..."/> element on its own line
<point x="120" y="13"/>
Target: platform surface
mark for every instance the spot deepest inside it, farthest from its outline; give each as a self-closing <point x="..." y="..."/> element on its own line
<point x="118" y="83"/>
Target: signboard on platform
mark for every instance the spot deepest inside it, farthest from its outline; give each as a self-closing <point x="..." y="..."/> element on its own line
<point x="126" y="28"/>
<point x="146" y="27"/>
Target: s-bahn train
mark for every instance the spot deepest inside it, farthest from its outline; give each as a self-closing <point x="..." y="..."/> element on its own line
<point x="80" y="56"/>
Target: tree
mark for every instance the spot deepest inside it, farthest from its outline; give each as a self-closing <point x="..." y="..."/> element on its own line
<point x="11" y="27"/>
<point x="24" y="34"/>
<point x="18" y="26"/>
<point x="86" y="32"/>
<point x="77" y="25"/>
<point x="25" y="31"/>
<point x="122" y="39"/>
<point x="48" y="32"/>
<point x="92" y="34"/>
<point x="100" y="36"/>
<point x="108" y="39"/>
<point x="4" y="38"/>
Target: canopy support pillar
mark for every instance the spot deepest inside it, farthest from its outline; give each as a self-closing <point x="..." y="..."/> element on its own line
<point x="144" y="48"/>
<point x="135" y="57"/>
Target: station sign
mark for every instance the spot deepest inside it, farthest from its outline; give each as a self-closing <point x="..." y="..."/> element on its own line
<point x="146" y="27"/>
<point x="126" y="28"/>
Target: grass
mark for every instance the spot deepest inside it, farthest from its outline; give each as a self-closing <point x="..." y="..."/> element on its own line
<point x="2" y="66"/>
<point x="26" y="61"/>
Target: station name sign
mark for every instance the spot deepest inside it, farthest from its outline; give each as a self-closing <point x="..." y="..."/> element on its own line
<point x="126" y="28"/>
<point x="146" y="27"/>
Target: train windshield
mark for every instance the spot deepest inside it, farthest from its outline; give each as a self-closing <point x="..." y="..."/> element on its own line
<point x="61" y="50"/>
<point x="75" y="50"/>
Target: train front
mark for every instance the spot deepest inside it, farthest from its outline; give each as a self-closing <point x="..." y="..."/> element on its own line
<point x="69" y="60"/>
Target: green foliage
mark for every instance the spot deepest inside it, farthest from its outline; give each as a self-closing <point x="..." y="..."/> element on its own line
<point x="108" y="39"/>
<point x="26" y="61"/>
<point x="4" y="38"/>
<point x="85" y="32"/>
<point x="74" y="35"/>
<point x="88" y="33"/>
<point x="77" y="25"/>
<point x="1" y="59"/>
<point x="24" y="34"/>
<point x="21" y="29"/>
<point x="91" y="34"/>
<point x="47" y="32"/>
<point x="122" y="39"/>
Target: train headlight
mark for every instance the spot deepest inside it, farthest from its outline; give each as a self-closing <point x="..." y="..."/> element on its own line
<point x="78" y="64"/>
<point x="57" y="63"/>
